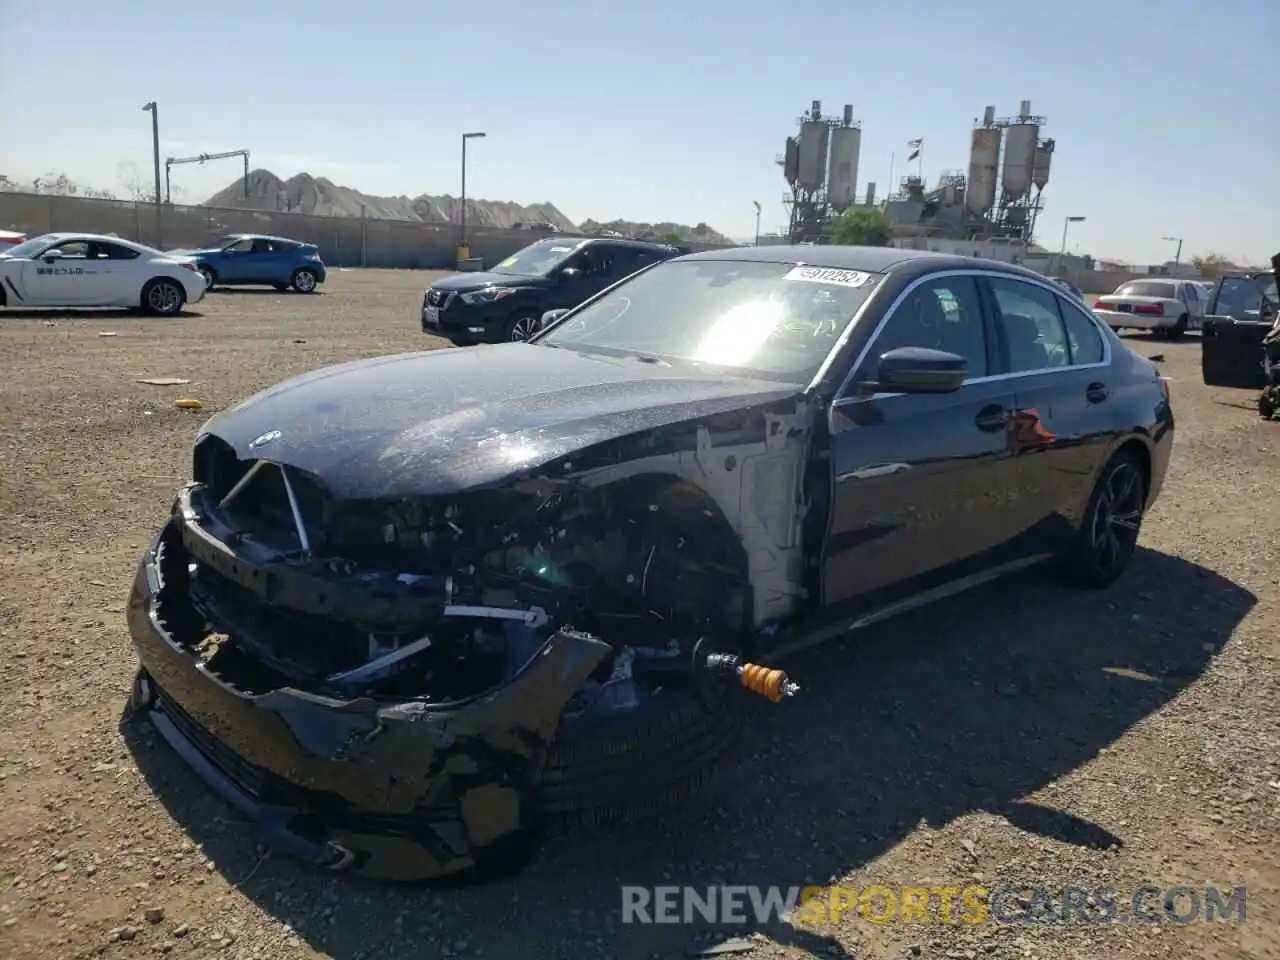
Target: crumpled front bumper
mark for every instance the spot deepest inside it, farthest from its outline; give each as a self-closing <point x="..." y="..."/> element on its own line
<point x="396" y="791"/>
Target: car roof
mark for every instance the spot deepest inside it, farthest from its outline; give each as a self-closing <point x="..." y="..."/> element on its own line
<point x="616" y="241"/>
<point x="96" y="238"/>
<point x="260" y="236"/>
<point x="866" y="259"/>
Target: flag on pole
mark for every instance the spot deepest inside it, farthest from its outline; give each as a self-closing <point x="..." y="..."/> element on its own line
<point x="914" y="146"/>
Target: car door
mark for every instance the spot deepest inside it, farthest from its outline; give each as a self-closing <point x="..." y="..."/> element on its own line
<point x="279" y="261"/>
<point x="67" y="274"/>
<point x="918" y="480"/>
<point x="122" y="281"/>
<point x="235" y="263"/>
<point x="1057" y="363"/>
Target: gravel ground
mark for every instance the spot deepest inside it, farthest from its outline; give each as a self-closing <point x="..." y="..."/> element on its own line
<point x="1019" y="735"/>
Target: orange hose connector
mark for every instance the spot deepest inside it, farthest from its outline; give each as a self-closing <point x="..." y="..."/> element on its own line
<point x="771" y="684"/>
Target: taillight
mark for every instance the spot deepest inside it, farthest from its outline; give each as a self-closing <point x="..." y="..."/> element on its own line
<point x="1151" y="309"/>
<point x="1101" y="305"/>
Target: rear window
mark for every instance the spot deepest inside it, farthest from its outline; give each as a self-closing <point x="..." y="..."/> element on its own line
<point x="1146" y="288"/>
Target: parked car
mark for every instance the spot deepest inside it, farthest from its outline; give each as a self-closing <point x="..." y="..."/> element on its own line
<point x="257" y="260"/>
<point x="91" y="270"/>
<point x="1168" y="308"/>
<point x="507" y="302"/>
<point x="1070" y="287"/>
<point x="409" y="606"/>
<point x="1243" y="308"/>
<point x="9" y="238"/>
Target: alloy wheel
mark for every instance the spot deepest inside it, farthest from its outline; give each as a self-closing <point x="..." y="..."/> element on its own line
<point x="522" y="329"/>
<point x="164" y="297"/>
<point x="305" y="281"/>
<point x="1117" y="517"/>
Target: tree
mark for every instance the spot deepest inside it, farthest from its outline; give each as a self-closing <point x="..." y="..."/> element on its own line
<point x="670" y="237"/>
<point x="135" y="188"/>
<point x="862" y="227"/>
<point x="1211" y="265"/>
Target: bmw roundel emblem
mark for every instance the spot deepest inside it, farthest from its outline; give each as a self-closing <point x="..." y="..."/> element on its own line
<point x="266" y="438"/>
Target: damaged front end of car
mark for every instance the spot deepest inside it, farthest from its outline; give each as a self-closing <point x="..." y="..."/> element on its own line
<point x="378" y="683"/>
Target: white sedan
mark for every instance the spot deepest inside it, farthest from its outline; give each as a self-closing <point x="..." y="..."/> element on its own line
<point x="89" y="270"/>
<point x="1169" y="307"/>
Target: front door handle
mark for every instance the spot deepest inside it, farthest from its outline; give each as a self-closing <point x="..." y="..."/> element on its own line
<point x="992" y="417"/>
<point x="1096" y="392"/>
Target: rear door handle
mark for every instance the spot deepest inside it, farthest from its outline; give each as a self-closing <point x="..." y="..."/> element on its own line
<point x="992" y="417"/>
<point x="1096" y="392"/>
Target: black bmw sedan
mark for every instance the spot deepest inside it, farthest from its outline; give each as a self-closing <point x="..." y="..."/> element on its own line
<point x="410" y="606"/>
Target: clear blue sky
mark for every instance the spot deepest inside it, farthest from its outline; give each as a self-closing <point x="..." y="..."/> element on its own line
<point x="667" y="109"/>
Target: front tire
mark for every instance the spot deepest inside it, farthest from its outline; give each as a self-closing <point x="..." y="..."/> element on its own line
<point x="210" y="278"/>
<point x="1267" y="403"/>
<point x="521" y="327"/>
<point x="163" y="297"/>
<point x="304" y="280"/>
<point x="1108" y="537"/>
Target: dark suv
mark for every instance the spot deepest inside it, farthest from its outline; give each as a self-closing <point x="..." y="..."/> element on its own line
<point x="507" y="302"/>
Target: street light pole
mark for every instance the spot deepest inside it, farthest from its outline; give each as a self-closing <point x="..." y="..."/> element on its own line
<point x="757" y="206"/>
<point x="150" y="107"/>
<point x="462" y="213"/>
<point x="1066" y="222"/>
<point x="1177" y="257"/>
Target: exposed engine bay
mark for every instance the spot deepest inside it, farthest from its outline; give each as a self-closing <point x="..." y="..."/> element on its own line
<point x="439" y="599"/>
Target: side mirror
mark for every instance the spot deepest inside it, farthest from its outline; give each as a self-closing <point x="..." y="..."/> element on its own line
<point x="550" y="317"/>
<point x="51" y="255"/>
<point x="570" y="275"/>
<point x="919" y="370"/>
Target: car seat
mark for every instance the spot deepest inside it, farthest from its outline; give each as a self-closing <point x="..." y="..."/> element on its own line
<point x="1026" y="352"/>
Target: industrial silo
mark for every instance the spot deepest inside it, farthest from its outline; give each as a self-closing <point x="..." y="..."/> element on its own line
<point x="791" y="161"/>
<point x="1044" y="160"/>
<point x="842" y="170"/>
<point x="1020" y="154"/>
<point x="984" y="170"/>
<point x="812" y="167"/>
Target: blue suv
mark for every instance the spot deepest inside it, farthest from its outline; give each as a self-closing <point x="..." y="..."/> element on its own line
<point x="257" y="259"/>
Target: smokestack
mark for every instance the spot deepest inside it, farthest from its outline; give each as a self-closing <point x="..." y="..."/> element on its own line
<point x="988" y="116"/>
<point x="848" y="114"/>
<point x="1026" y="109"/>
<point x="871" y="194"/>
<point x="817" y="109"/>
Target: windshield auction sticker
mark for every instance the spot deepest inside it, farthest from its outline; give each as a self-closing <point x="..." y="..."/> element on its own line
<point x="841" y="278"/>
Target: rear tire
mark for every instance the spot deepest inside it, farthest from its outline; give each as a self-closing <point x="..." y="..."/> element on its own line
<point x="1267" y="403"/>
<point x="1109" y="534"/>
<point x="304" y="280"/>
<point x="1179" y="329"/>
<point x="163" y="297"/>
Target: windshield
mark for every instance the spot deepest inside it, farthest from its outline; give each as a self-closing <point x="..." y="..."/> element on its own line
<point x="1145" y="288"/>
<point x="775" y="320"/>
<point x="536" y="260"/>
<point x="1243" y="296"/>
<point x="30" y="248"/>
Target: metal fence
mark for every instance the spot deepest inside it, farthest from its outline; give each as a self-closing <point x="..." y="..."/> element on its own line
<point x="343" y="241"/>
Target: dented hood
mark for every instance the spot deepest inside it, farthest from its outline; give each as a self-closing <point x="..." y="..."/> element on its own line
<point x="442" y="421"/>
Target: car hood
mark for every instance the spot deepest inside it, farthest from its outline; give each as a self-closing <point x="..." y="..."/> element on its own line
<point x="442" y="421"/>
<point x="193" y="253"/>
<point x="474" y="281"/>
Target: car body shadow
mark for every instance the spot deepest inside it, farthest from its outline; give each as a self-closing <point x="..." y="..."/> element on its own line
<point x="972" y="704"/>
<point x="241" y="291"/>
<point x="88" y="314"/>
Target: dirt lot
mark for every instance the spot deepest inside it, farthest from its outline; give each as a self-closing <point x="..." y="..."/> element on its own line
<point x="1020" y="735"/>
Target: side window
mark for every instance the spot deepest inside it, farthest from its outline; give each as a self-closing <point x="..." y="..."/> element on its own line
<point x="261" y="246"/>
<point x="281" y="246"/>
<point x="944" y="313"/>
<point x="596" y="261"/>
<point x="1031" y="325"/>
<point x="113" y="252"/>
<point x="1082" y="333"/>
<point x="627" y="262"/>
<point x="74" y="248"/>
<point x="241" y="246"/>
